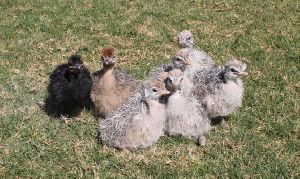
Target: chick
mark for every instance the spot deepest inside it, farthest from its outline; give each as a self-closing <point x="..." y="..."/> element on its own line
<point x="111" y="86"/>
<point x="139" y="122"/>
<point x="178" y="61"/>
<point x="185" y="115"/>
<point x="197" y="57"/>
<point x="220" y="90"/>
<point x="185" y="39"/>
<point x="69" y="89"/>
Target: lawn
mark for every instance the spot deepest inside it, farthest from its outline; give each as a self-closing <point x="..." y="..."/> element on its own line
<point x="263" y="140"/>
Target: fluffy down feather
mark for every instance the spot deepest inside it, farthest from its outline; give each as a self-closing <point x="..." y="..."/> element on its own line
<point x="109" y="91"/>
<point x="138" y="123"/>
<point x="68" y="94"/>
<point x="220" y="96"/>
<point x="185" y="115"/>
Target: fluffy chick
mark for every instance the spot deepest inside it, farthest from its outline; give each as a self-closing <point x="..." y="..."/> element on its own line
<point x="185" y="115"/>
<point x="220" y="89"/>
<point x="197" y="57"/>
<point x="139" y="122"/>
<point x="111" y="86"/>
<point x="185" y="39"/>
<point x="178" y="61"/>
<point x="69" y="89"/>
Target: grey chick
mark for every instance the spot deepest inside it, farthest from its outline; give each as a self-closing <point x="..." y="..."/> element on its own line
<point x="185" y="115"/>
<point x="220" y="90"/>
<point x="139" y="122"/>
<point x="185" y="39"/>
<point x="178" y="61"/>
<point x="111" y="86"/>
<point x="197" y="57"/>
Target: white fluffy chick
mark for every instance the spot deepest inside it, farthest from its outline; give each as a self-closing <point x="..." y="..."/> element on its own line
<point x="178" y="61"/>
<point x="197" y="57"/>
<point x="220" y="90"/>
<point x="185" y="115"/>
<point x="185" y="39"/>
<point x="139" y="122"/>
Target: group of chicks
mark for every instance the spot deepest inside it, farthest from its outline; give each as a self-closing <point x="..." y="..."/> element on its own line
<point x="180" y="98"/>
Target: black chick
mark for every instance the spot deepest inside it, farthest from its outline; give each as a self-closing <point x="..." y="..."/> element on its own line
<point x="69" y="89"/>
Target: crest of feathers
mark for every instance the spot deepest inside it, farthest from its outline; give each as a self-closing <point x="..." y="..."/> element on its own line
<point x="108" y="52"/>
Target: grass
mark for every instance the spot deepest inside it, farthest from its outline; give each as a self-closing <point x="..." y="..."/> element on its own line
<point x="263" y="140"/>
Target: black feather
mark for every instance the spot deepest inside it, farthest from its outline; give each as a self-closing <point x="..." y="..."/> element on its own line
<point x="167" y="68"/>
<point x="68" y="93"/>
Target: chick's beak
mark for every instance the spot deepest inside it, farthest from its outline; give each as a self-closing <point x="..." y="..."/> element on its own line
<point x="176" y="83"/>
<point x="165" y="92"/>
<point x="186" y="63"/>
<point x="78" y="66"/>
<point x="108" y="62"/>
<point x="243" y="73"/>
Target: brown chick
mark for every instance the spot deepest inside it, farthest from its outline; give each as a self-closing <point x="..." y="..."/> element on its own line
<point x="111" y="86"/>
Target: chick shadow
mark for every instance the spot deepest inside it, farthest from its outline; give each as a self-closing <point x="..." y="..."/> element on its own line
<point x="164" y="99"/>
<point x="218" y="120"/>
<point x="55" y="110"/>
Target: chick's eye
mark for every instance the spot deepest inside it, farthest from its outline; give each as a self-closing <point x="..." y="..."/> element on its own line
<point x="189" y="38"/>
<point x="154" y="90"/>
<point x="233" y="70"/>
<point x="178" y="59"/>
<point x="168" y="80"/>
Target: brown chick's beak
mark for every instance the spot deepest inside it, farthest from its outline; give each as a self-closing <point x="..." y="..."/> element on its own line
<point x="109" y="62"/>
<point x="165" y="92"/>
<point x="243" y="74"/>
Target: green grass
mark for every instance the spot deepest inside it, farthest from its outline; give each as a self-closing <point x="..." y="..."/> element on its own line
<point x="263" y="140"/>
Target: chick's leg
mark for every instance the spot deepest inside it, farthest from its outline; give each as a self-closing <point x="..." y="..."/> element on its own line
<point x="202" y="141"/>
<point x="224" y="123"/>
